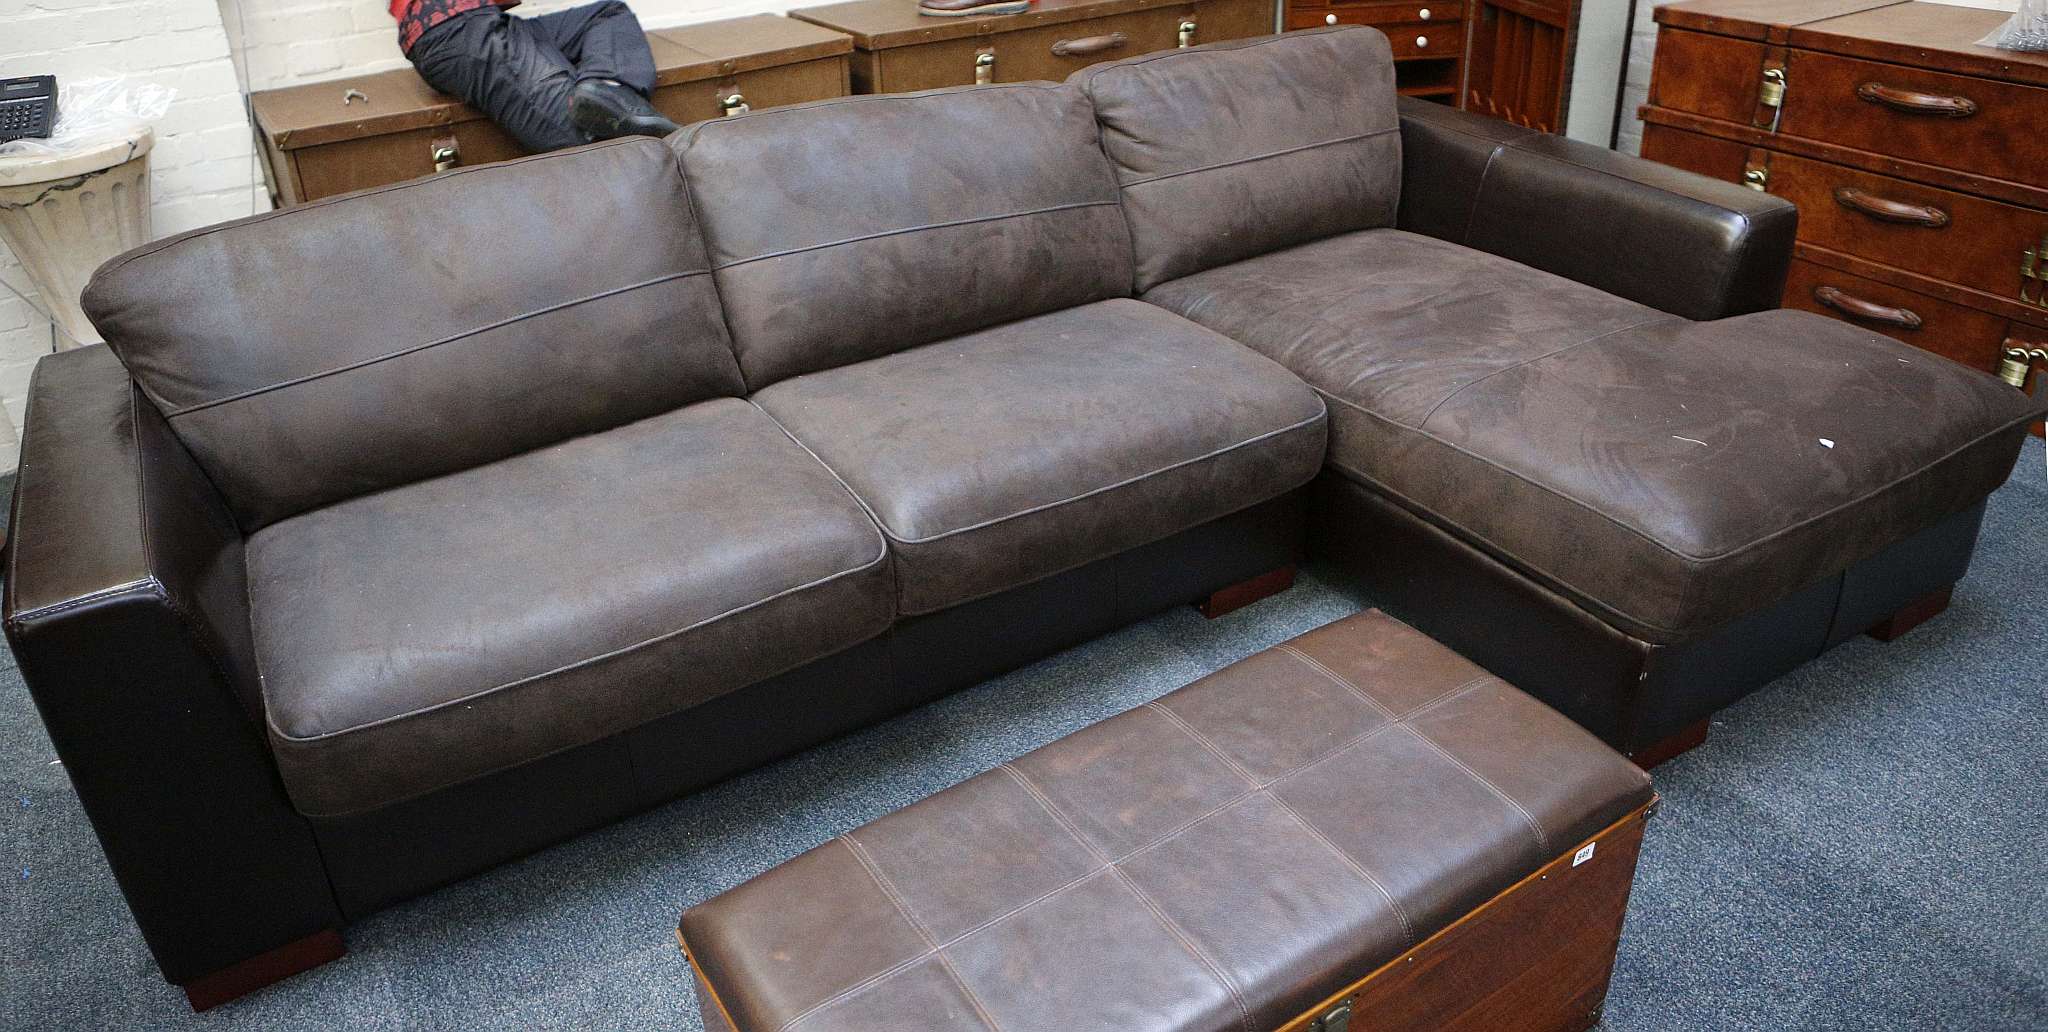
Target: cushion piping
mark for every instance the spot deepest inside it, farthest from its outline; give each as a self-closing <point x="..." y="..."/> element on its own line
<point x="897" y="537"/>
<point x="900" y="231"/>
<point x="1676" y="553"/>
<point x="1283" y="152"/>
<point x="416" y="348"/>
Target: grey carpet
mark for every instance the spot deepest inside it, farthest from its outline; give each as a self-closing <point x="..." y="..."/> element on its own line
<point x="1860" y="846"/>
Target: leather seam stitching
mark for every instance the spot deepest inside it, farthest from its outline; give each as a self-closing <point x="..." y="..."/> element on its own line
<point x="867" y="863"/>
<point x="1535" y="825"/>
<point x="581" y="663"/>
<point x="1145" y="899"/>
<point x="147" y="584"/>
<point x="1264" y="790"/>
<point x="903" y="230"/>
<point x="1092" y="492"/>
<point x="1103" y="862"/>
<point x="1284" y="152"/>
<point x="1479" y="191"/>
<point x="417" y="348"/>
<point x="1690" y="558"/>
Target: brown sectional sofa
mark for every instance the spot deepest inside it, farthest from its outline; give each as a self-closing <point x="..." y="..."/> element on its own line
<point x="415" y="530"/>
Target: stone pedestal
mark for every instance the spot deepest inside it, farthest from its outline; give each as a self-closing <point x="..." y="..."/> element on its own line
<point x="64" y="214"/>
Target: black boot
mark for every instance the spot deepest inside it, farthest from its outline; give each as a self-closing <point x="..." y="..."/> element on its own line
<point x="602" y="109"/>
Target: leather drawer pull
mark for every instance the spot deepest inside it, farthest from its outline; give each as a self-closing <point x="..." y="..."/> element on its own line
<point x="1917" y="103"/>
<point x="1884" y="210"/>
<point x="1842" y="302"/>
<point x="1088" y="45"/>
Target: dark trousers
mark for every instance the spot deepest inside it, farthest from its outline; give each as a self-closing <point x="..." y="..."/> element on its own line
<point x="519" y="71"/>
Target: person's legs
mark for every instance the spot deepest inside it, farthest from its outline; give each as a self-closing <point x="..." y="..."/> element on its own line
<point x="505" y="68"/>
<point x="614" y="69"/>
<point x="604" y="41"/>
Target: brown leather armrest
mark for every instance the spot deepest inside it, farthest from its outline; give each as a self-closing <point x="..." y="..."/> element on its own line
<point x="1683" y="243"/>
<point x="126" y="607"/>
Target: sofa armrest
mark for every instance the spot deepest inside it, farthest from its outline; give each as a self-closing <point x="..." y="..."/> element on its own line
<point x="126" y="608"/>
<point x="1676" y="241"/>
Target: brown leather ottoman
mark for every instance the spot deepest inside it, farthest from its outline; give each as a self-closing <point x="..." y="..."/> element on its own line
<point x="1355" y="828"/>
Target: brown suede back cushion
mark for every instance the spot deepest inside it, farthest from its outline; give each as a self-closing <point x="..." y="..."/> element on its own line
<point x="849" y="229"/>
<point x="1235" y="149"/>
<point x="324" y="352"/>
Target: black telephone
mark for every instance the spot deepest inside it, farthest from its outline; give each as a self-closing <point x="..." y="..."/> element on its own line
<point x="28" y="107"/>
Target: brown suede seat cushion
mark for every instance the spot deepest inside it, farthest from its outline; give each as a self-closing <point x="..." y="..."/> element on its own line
<point x="1668" y="475"/>
<point x="446" y="629"/>
<point x="1017" y="452"/>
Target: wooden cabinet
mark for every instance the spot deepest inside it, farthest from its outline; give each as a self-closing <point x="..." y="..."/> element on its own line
<point x="1428" y="38"/>
<point x="898" y="50"/>
<point x="349" y="134"/>
<point x="1914" y="155"/>
<point x="1511" y="59"/>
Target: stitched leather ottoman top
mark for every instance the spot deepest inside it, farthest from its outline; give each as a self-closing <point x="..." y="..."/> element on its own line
<point x="1223" y="858"/>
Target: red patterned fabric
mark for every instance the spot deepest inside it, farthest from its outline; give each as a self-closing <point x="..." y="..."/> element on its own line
<point x="415" y="17"/>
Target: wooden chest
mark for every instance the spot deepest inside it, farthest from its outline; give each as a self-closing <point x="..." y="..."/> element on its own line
<point x="1917" y="158"/>
<point x="349" y="134"/>
<point x="898" y="50"/>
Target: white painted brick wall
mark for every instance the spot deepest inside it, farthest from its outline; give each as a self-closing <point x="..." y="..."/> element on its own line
<point x="203" y="162"/>
<point x="284" y="42"/>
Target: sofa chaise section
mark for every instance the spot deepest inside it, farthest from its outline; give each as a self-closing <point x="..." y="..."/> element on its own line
<point x="1559" y="412"/>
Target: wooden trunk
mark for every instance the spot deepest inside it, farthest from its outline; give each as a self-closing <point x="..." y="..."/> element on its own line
<point x="349" y="134"/>
<point x="897" y="50"/>
<point x="1536" y="958"/>
<point x="1913" y="154"/>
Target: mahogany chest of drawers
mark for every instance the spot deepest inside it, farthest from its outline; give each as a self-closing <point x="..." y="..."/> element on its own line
<point x="1918" y="160"/>
<point x="897" y="50"/>
<point x="1428" y="37"/>
<point x="332" y="137"/>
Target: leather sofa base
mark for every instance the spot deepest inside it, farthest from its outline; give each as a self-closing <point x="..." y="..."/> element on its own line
<point x="1633" y="694"/>
<point x="379" y="858"/>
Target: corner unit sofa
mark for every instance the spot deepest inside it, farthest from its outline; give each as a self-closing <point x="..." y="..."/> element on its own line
<point x="397" y="535"/>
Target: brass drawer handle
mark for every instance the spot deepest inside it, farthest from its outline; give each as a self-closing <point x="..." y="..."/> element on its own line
<point x="1886" y="210"/>
<point x="1913" y="103"/>
<point x="1088" y="46"/>
<point x="1855" y="307"/>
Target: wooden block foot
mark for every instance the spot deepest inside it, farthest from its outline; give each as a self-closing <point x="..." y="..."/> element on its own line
<point x="1245" y="592"/>
<point x="241" y="979"/>
<point x="1685" y="740"/>
<point x="1926" y="608"/>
